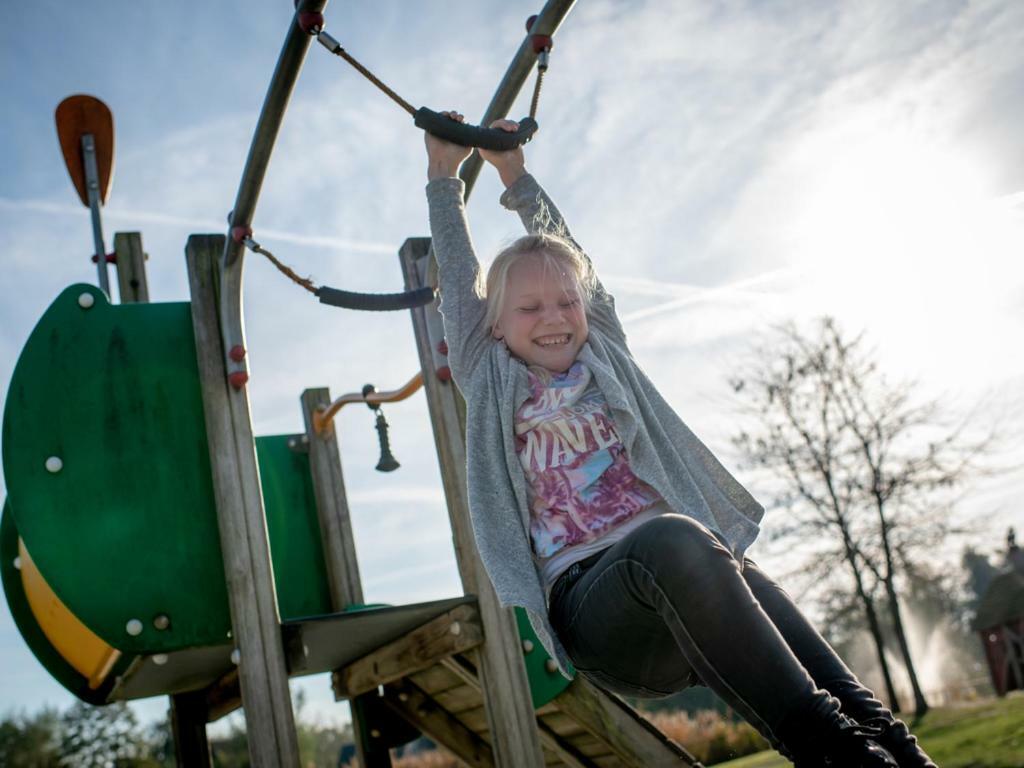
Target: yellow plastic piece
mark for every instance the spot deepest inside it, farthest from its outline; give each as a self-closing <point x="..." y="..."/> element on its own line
<point x="76" y="643"/>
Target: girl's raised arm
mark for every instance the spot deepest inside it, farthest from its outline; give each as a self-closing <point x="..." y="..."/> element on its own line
<point x="462" y="308"/>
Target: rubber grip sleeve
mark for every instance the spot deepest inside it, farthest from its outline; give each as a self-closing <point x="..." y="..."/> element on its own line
<point x="375" y="302"/>
<point x="474" y="135"/>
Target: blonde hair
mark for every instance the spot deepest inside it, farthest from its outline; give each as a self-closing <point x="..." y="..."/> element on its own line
<point x="559" y="254"/>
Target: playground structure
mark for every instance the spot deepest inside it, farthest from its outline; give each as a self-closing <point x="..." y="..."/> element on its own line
<point x="151" y="544"/>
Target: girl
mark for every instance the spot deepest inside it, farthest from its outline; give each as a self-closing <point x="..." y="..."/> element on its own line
<point x="596" y="509"/>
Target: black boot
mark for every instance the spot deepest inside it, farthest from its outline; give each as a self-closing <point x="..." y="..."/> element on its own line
<point x="818" y="736"/>
<point x="860" y="704"/>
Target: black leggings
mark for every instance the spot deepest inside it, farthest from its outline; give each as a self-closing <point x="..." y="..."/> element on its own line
<point x="669" y="606"/>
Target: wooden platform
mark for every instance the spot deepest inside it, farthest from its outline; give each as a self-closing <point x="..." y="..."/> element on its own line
<point x="584" y="727"/>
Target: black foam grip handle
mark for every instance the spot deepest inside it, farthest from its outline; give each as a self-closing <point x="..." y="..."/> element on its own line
<point x="375" y="302"/>
<point x="473" y="135"/>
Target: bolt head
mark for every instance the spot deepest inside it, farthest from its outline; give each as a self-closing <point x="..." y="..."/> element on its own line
<point x="133" y="627"/>
<point x="527" y="646"/>
<point x="551" y="666"/>
<point x="54" y="465"/>
<point x="86" y="300"/>
<point x="162" y="621"/>
<point x="375" y="733"/>
<point x="17" y="563"/>
<point x="236" y="657"/>
<point x="455" y="628"/>
<point x="160" y="659"/>
<point x="403" y="697"/>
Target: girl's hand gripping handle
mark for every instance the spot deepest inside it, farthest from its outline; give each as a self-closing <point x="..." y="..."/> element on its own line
<point x="444" y="157"/>
<point x="510" y="163"/>
<point x="473" y="135"/>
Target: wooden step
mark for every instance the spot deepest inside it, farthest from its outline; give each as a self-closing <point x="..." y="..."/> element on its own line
<point x="584" y="727"/>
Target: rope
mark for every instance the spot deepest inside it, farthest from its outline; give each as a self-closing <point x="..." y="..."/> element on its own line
<point x="335" y="47"/>
<point x="366" y="302"/>
<point x="536" y="92"/>
<point x="288" y="272"/>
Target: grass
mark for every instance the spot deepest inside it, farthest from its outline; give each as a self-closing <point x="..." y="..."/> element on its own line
<point x="985" y="734"/>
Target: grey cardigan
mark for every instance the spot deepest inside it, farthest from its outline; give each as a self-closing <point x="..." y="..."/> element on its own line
<point x="662" y="451"/>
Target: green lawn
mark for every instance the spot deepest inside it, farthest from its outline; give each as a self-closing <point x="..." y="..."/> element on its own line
<point x="987" y="734"/>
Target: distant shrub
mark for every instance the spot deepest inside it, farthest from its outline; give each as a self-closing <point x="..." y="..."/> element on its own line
<point x="709" y="736"/>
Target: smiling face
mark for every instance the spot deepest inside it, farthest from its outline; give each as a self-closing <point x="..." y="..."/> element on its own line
<point x="542" y="320"/>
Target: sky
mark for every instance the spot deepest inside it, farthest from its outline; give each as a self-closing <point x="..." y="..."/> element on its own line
<point x="728" y="166"/>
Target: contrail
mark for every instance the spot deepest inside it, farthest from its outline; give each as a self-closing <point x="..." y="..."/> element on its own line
<point x="710" y="294"/>
<point x="198" y="225"/>
<point x="632" y="284"/>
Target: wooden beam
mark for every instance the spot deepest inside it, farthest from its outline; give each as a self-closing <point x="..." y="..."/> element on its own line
<point x="565" y="751"/>
<point x="419" y="709"/>
<point x="188" y="726"/>
<point x="339" y="548"/>
<point x="505" y="688"/>
<point x="332" y="506"/>
<point x="456" y="631"/>
<point x="132" y="286"/>
<point x="630" y="736"/>
<point x="270" y="723"/>
<point x="223" y="697"/>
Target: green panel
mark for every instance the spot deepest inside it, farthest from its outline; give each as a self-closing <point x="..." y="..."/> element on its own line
<point x="544" y="685"/>
<point x="29" y="628"/>
<point x="293" y="528"/>
<point x="126" y="529"/>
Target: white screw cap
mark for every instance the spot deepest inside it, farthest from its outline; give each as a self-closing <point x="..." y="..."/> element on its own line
<point x="527" y="646"/>
<point x="17" y="563"/>
<point x="236" y="657"/>
<point x="54" y="464"/>
<point x="86" y="300"/>
<point x="160" y="659"/>
<point x="550" y="665"/>
<point x="133" y="627"/>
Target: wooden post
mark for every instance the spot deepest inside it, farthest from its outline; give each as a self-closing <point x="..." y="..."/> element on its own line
<point x="188" y="712"/>
<point x="270" y="723"/>
<point x="131" y="268"/>
<point x="332" y="506"/>
<point x="503" y="681"/>
<point x="339" y="554"/>
<point x="188" y="724"/>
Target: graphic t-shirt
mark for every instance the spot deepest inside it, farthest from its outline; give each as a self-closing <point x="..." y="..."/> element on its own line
<point x="579" y="482"/>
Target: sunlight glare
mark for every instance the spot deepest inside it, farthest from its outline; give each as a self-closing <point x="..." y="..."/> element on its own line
<point x="902" y="239"/>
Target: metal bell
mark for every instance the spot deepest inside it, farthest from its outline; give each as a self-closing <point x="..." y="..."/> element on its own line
<point x="387" y="462"/>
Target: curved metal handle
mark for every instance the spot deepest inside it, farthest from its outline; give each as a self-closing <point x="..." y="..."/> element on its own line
<point x="322" y="418"/>
<point x="474" y="135"/>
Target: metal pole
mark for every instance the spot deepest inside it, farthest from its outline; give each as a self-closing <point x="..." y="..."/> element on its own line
<point x="92" y="185"/>
<point x="282" y="83"/>
<point x="548" y="21"/>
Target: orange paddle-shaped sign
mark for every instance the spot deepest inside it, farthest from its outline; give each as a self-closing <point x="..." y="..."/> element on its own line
<point x="77" y="116"/>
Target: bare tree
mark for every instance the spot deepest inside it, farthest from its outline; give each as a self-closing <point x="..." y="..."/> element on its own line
<point x="865" y="473"/>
